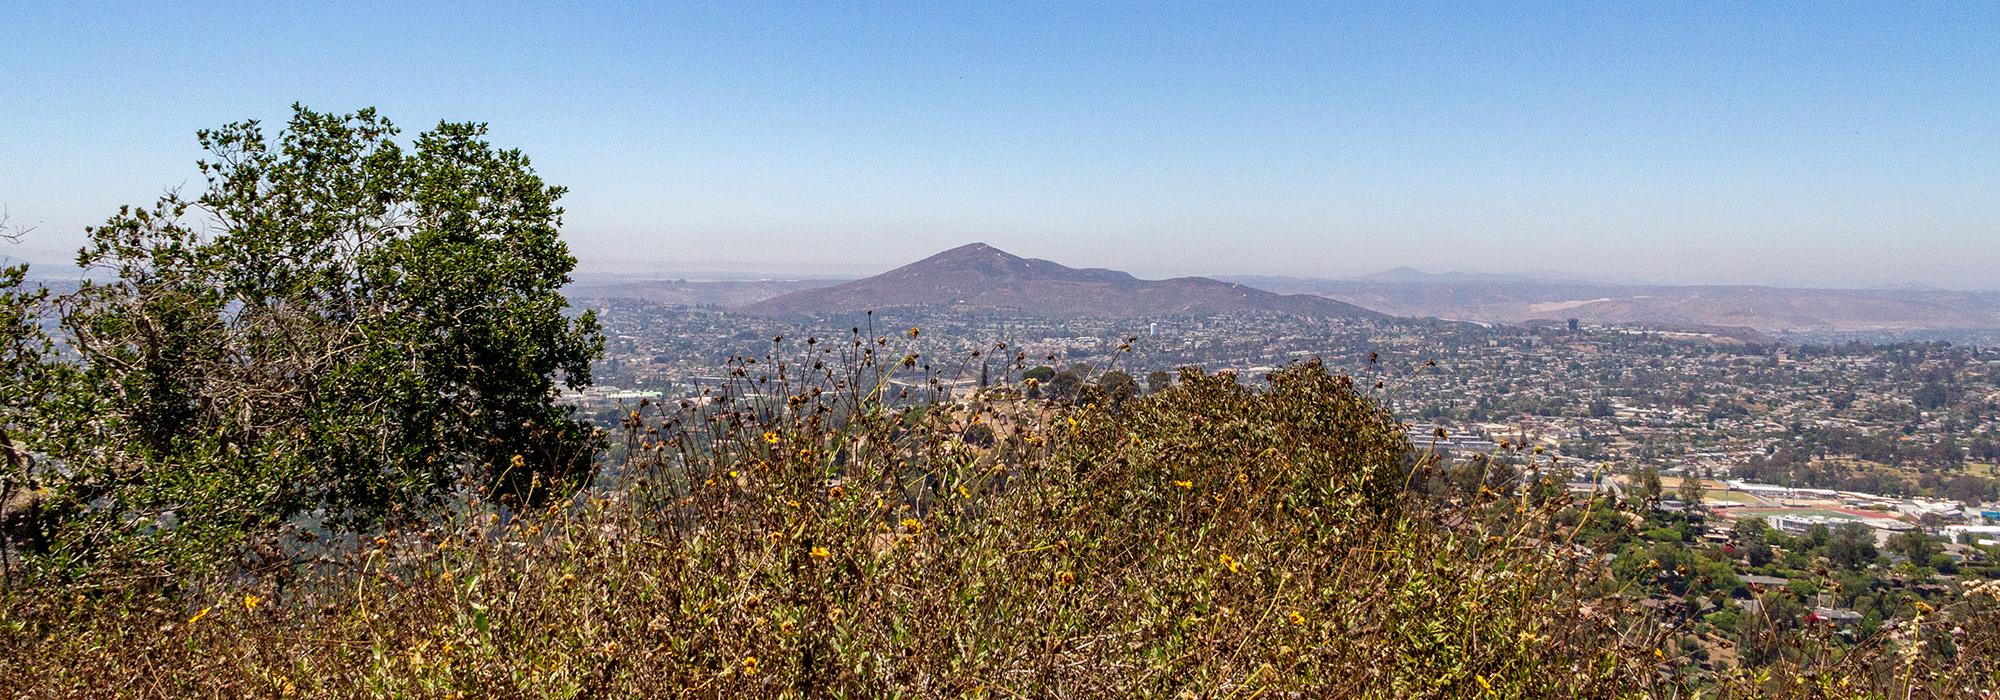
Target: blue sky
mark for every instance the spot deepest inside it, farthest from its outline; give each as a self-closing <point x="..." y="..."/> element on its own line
<point x="1807" y="143"/>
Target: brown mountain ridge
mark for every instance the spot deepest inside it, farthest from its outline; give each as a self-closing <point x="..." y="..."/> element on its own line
<point x="980" y="276"/>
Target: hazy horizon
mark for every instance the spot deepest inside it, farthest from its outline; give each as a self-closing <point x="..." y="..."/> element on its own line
<point x="58" y="264"/>
<point x="1684" y="144"/>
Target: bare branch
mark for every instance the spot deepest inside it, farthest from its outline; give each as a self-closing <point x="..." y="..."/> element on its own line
<point x="10" y="232"/>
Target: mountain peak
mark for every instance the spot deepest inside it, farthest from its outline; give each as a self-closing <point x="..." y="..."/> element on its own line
<point x="974" y="260"/>
<point x="974" y="248"/>
<point x="978" y="275"/>
<point x="972" y="252"/>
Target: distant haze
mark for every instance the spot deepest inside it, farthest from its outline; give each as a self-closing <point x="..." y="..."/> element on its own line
<point x="1788" y="144"/>
<point x="978" y="278"/>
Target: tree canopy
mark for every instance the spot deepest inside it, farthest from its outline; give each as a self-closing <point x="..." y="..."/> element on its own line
<point x="336" y="324"/>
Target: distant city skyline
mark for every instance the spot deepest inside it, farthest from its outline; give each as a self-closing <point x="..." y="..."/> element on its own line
<point x="1782" y="144"/>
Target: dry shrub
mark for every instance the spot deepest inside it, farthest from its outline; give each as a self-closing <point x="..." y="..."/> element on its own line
<point x="814" y="539"/>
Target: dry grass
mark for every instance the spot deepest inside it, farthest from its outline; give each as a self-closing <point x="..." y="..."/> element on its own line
<point x="1206" y="541"/>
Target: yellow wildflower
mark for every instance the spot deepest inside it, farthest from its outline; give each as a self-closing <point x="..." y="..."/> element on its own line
<point x="750" y="665"/>
<point x="1185" y="485"/>
<point x="1231" y="563"/>
<point x="913" y="525"/>
<point x="821" y="553"/>
<point x="770" y="437"/>
<point x="1297" y="619"/>
<point x="250" y="602"/>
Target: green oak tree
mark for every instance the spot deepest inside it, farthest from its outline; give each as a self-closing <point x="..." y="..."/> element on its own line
<point x="26" y="375"/>
<point x="337" y="324"/>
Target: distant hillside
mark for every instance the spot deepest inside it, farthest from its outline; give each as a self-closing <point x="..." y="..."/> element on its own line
<point x="981" y="276"/>
<point x="1410" y="274"/>
<point x="723" y="293"/>
<point x="1769" y="309"/>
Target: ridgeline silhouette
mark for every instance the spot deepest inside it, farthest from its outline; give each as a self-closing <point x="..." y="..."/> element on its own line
<point x="981" y="276"/>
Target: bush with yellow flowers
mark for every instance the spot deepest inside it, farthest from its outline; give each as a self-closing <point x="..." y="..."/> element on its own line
<point x="833" y="536"/>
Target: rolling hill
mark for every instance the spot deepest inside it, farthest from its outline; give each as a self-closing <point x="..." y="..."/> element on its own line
<point x="682" y="292"/>
<point x="1767" y="309"/>
<point x="979" y="276"/>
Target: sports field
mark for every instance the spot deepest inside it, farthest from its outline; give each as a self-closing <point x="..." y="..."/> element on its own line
<point x="1842" y="513"/>
<point x="1712" y="491"/>
<point x="1714" y="496"/>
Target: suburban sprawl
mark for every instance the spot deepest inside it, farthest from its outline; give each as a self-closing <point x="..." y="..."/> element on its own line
<point x="1839" y="485"/>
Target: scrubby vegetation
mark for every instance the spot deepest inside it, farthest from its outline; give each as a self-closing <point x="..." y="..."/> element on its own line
<point x="1204" y="538"/>
<point x="826" y="541"/>
<point x="236" y="521"/>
